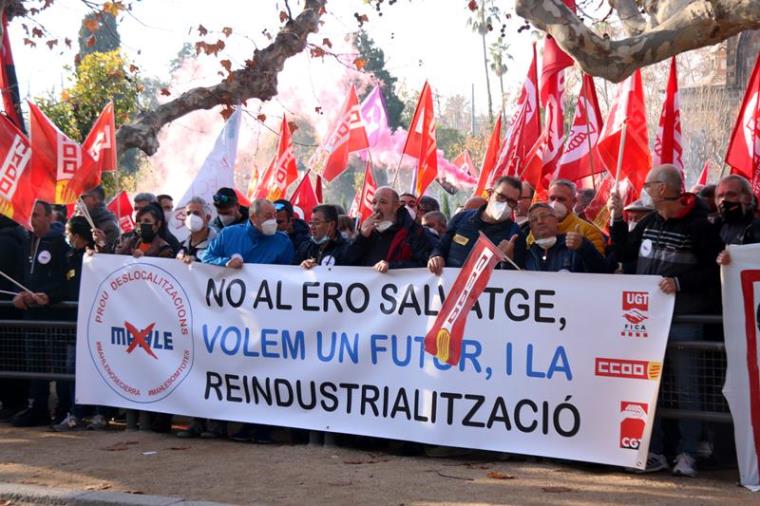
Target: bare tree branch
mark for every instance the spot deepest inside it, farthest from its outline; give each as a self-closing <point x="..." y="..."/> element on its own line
<point x="698" y="24"/>
<point x="628" y="12"/>
<point x="257" y="80"/>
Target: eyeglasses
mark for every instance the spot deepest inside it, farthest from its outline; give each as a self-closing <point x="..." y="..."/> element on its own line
<point x="316" y="223"/>
<point x="650" y="183"/>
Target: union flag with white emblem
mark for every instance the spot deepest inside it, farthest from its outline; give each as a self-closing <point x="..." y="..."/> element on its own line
<point x="579" y="158"/>
<point x="667" y="147"/>
<point x="19" y="183"/>
<point x="282" y="172"/>
<point x="744" y="148"/>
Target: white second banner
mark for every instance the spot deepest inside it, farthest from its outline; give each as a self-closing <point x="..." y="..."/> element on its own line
<point x="553" y="364"/>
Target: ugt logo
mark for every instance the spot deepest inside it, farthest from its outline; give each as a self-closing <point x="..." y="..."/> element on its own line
<point x="635" y="305"/>
<point x="146" y="339"/>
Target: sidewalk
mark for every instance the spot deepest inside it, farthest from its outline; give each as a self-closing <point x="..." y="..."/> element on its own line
<point x="140" y="464"/>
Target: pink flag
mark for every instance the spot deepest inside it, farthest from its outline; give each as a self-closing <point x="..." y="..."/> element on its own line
<point x="375" y="116"/>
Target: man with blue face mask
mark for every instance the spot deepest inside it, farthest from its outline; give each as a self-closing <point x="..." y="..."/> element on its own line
<point x="494" y="219"/>
<point x="254" y="242"/>
<point x="325" y="245"/>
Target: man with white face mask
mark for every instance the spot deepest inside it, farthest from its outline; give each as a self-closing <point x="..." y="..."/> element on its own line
<point x="553" y="251"/>
<point x="390" y="238"/>
<point x="493" y="219"/>
<point x="254" y="242"/>
<point x="562" y="198"/>
<point x="197" y="216"/>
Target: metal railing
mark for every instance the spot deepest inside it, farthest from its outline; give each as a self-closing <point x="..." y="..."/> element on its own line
<point x="44" y="349"/>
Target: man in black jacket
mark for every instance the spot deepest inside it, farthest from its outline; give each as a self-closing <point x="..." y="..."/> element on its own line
<point x="44" y="273"/>
<point x="103" y="219"/>
<point x="325" y="245"/>
<point x="390" y="238"/>
<point x="678" y="243"/>
<point x="736" y="221"/>
<point x="289" y="223"/>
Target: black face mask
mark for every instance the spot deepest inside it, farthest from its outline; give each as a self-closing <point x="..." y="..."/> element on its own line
<point x="731" y="211"/>
<point x="146" y="232"/>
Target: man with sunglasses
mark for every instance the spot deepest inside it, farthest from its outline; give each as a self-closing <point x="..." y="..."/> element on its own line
<point x="678" y="243"/>
<point x="228" y="210"/>
<point x="494" y="219"/>
<point x="289" y="223"/>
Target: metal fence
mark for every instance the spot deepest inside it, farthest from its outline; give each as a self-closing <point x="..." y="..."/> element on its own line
<point x="45" y="350"/>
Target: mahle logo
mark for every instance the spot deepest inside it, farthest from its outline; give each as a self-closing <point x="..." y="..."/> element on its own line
<point x="139" y="332"/>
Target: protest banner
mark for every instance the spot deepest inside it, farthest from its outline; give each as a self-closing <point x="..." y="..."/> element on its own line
<point x="341" y="349"/>
<point x="741" y="317"/>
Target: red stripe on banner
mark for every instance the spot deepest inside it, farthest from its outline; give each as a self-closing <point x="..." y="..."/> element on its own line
<point x="748" y="279"/>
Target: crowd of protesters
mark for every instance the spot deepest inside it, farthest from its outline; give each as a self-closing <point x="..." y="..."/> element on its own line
<point x="677" y="235"/>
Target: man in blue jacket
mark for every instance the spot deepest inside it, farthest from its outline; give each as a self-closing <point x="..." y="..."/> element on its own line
<point x="493" y="219"/>
<point x="254" y="242"/>
<point x="554" y="252"/>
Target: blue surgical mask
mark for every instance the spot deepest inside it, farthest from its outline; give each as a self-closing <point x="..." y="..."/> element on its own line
<point x="319" y="241"/>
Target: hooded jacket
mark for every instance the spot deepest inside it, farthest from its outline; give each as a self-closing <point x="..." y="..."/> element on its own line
<point x="683" y="247"/>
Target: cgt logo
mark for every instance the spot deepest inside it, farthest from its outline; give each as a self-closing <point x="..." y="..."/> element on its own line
<point x="147" y="338"/>
<point x="634" y="417"/>
<point x="634" y="306"/>
<point x="630" y="369"/>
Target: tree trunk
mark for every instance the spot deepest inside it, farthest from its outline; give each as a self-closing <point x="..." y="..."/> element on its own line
<point x="483" y="31"/>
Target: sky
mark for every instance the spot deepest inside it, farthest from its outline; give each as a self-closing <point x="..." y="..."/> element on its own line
<point x="422" y="39"/>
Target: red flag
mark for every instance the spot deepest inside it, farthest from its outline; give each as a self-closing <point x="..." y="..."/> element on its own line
<point x="18" y="181"/>
<point x="282" y="171"/>
<point x="627" y="109"/>
<point x="464" y="162"/>
<point x="318" y="189"/>
<point x="8" y="81"/>
<point x="421" y="142"/>
<point x="347" y="136"/>
<point x="744" y="148"/>
<point x="579" y="158"/>
<point x="242" y="198"/>
<point x="100" y="144"/>
<point x="705" y="174"/>
<point x="362" y="206"/>
<point x="253" y="183"/>
<point x="53" y="152"/>
<point x="667" y="147"/>
<point x="542" y="160"/>
<point x="525" y="129"/>
<point x="554" y="61"/>
<point x="121" y="207"/>
<point x="444" y="339"/>
<point x="304" y="198"/>
<point x="597" y="211"/>
<point x="489" y="161"/>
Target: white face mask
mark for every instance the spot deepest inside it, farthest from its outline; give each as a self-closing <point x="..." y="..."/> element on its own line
<point x="345" y="234"/>
<point x="412" y="212"/>
<point x="168" y="215"/>
<point x="226" y="219"/>
<point x="194" y="223"/>
<point x="498" y="211"/>
<point x="646" y="199"/>
<point x="631" y="225"/>
<point x="560" y="211"/>
<point x="384" y="225"/>
<point x="547" y="242"/>
<point x="269" y="227"/>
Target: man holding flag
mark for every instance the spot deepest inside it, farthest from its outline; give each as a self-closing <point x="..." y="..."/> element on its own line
<point x="493" y="219"/>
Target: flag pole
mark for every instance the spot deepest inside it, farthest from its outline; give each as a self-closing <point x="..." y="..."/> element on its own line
<point x="620" y="160"/>
<point x="722" y="171"/>
<point x="15" y="282"/>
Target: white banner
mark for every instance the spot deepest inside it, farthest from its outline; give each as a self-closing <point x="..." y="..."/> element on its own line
<point x="553" y="364"/>
<point x="741" y="317"/>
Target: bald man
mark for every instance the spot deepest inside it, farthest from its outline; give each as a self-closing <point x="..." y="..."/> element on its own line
<point x="678" y="243"/>
<point x="390" y="238"/>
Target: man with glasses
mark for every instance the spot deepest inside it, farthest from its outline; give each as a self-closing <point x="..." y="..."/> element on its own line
<point x="678" y="243"/>
<point x="228" y="210"/>
<point x="325" y="245"/>
<point x="523" y="205"/>
<point x="493" y="219"/>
